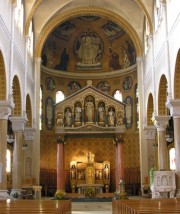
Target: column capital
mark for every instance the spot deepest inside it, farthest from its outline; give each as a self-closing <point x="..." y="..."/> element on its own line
<point x="174" y="106"/>
<point x="119" y="138"/>
<point x="29" y="134"/>
<point x="60" y="139"/>
<point x="150" y="132"/>
<point x="161" y="122"/>
<point x="38" y="60"/>
<point x="18" y="123"/>
<point x="5" y="108"/>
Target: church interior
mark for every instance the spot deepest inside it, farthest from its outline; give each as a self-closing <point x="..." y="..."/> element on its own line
<point x="89" y="98"/>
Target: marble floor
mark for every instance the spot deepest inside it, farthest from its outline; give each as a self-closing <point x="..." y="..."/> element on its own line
<point x="91" y="208"/>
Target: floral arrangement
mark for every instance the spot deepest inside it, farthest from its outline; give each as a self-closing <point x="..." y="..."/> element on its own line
<point x="90" y="192"/>
<point x="59" y="195"/>
<point x="16" y="195"/>
<point x="121" y="195"/>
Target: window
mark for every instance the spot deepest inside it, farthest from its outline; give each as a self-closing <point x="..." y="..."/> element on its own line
<point x="19" y="15"/>
<point x="59" y="96"/>
<point x="172" y="159"/>
<point x="8" y="160"/>
<point x="118" y="95"/>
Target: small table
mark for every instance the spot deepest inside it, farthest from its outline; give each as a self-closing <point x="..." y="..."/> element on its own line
<point x="37" y="192"/>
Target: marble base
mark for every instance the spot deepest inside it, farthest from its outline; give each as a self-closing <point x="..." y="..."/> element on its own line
<point x="4" y="194"/>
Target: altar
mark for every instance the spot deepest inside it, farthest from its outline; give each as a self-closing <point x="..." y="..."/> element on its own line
<point x="96" y="188"/>
<point x="90" y="176"/>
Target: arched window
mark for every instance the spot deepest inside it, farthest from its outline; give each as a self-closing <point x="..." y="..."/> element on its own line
<point x="172" y="162"/>
<point x="30" y="39"/>
<point x="118" y="95"/>
<point x="8" y="160"/>
<point x="59" y="96"/>
<point x="19" y="15"/>
<point x="40" y="110"/>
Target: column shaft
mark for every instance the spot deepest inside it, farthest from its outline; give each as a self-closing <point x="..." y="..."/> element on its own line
<point x="3" y="148"/>
<point x="17" y="161"/>
<point x="177" y="151"/>
<point x="120" y="164"/>
<point x="60" y="167"/>
<point x="162" y="150"/>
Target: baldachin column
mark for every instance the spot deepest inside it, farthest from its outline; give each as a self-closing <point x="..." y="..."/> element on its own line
<point x="119" y="159"/>
<point x="60" y="164"/>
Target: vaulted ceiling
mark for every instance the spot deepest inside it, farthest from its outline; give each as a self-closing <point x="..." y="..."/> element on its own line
<point x="48" y="14"/>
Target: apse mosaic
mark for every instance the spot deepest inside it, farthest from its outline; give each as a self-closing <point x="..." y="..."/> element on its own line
<point x="88" y="43"/>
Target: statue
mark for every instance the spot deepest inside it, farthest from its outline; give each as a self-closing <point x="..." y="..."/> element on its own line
<point x="59" y="120"/>
<point x="68" y="118"/>
<point x="77" y="113"/>
<point x="101" y="112"/>
<point x="89" y="109"/>
<point x="111" y="117"/>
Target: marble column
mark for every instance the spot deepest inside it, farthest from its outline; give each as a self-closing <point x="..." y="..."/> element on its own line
<point x="5" y="111"/>
<point x="150" y="136"/>
<point x="119" y="159"/>
<point x="29" y="135"/>
<point x="18" y="124"/>
<point x="161" y="123"/>
<point x="174" y="106"/>
<point x="60" y="164"/>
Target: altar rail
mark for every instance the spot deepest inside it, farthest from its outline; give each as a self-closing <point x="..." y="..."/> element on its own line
<point x="146" y="206"/>
<point x="35" y="206"/>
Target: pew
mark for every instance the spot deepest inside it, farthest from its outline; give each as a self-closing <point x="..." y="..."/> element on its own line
<point x="35" y="206"/>
<point x="146" y="206"/>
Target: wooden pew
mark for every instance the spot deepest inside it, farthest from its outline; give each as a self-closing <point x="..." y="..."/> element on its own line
<point x="146" y="206"/>
<point x="35" y="206"/>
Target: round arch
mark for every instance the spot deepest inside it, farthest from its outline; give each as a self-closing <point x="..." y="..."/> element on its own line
<point x="150" y="110"/>
<point x="177" y="77"/>
<point x="17" y="97"/>
<point x="28" y="111"/>
<point x="3" y="91"/>
<point x="88" y="11"/>
<point x="162" y="96"/>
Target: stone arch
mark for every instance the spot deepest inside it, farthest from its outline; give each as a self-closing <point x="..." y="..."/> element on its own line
<point x="2" y="78"/>
<point x="150" y="110"/>
<point x="162" y="96"/>
<point x="177" y="78"/>
<point x="16" y="97"/>
<point x="28" y="111"/>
